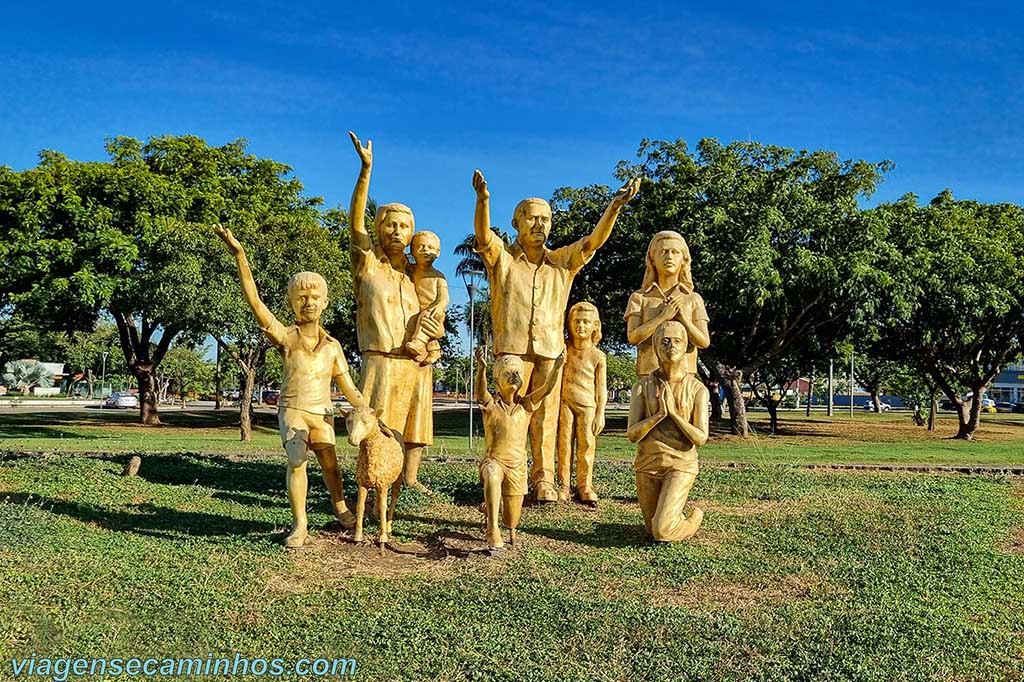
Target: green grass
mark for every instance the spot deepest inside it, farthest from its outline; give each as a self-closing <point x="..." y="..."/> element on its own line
<point x="867" y="438"/>
<point x="794" y="575"/>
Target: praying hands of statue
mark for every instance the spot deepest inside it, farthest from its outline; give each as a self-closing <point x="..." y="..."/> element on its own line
<point x="666" y="401"/>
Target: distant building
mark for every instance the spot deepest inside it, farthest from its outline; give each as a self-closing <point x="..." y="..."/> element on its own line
<point x="1009" y="385"/>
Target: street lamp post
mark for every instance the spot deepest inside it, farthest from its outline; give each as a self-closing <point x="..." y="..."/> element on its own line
<point x="472" y="279"/>
<point x="103" y="376"/>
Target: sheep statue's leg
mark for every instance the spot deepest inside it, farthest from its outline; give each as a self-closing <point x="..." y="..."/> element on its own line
<point x="382" y="512"/>
<point x="396" y="490"/>
<point x="360" y="509"/>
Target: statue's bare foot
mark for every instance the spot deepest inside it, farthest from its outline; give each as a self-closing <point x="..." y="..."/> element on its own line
<point x="696" y="517"/>
<point x="420" y="488"/>
<point x="297" y="538"/>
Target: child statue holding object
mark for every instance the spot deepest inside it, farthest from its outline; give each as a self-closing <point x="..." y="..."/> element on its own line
<point x="666" y="294"/>
<point x="432" y="292"/>
<point x="304" y="412"/>
<point x="584" y="395"/>
<point x="668" y="419"/>
<point x="506" y="418"/>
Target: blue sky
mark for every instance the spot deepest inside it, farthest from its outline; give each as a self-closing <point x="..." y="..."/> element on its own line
<point x="536" y="95"/>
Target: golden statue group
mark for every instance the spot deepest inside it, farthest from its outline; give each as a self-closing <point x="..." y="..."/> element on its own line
<point x="549" y="393"/>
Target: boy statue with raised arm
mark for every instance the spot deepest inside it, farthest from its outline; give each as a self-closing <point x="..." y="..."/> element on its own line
<point x="506" y="417"/>
<point x="304" y="412"/>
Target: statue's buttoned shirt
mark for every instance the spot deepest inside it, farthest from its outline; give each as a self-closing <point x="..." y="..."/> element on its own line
<point x="527" y="300"/>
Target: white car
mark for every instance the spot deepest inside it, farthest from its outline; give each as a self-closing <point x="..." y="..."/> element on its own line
<point x="123" y="400"/>
<point x="884" y="407"/>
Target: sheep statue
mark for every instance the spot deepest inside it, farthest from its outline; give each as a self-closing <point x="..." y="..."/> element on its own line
<point x="379" y="466"/>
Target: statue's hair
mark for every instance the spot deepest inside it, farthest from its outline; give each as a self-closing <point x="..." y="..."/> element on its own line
<point x="521" y="208"/>
<point x="651" y="272"/>
<point x="503" y="362"/>
<point x="382" y="214"/>
<point x="306" y="280"/>
<point x="663" y="328"/>
<point x="587" y="306"/>
<point x="425" y="234"/>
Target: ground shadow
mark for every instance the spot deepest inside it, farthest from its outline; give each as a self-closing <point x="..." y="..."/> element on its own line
<point x="226" y="474"/>
<point x="146" y="519"/>
<point x="91" y="416"/>
<point x="603" y="535"/>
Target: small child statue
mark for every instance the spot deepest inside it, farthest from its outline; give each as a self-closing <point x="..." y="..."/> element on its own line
<point x="668" y="419"/>
<point x="304" y="411"/>
<point x="432" y="292"/>
<point x="506" y="418"/>
<point x="584" y="395"/>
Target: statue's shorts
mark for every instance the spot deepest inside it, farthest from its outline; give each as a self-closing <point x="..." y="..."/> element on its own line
<point x="515" y="476"/>
<point x="314" y="429"/>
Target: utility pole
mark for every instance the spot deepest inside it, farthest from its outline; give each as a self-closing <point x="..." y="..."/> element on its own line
<point x="831" y="377"/>
<point x="851" y="382"/>
<point x="472" y="279"/>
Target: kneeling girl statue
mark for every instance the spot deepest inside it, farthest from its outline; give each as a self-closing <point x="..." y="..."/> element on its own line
<point x="668" y="419"/>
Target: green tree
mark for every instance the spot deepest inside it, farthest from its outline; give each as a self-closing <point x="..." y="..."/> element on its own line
<point x="621" y="371"/>
<point x="130" y="237"/>
<point x="957" y="307"/>
<point x="184" y="371"/>
<point x="82" y="351"/>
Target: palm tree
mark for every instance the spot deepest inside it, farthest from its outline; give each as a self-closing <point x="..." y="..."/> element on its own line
<point x="470" y="259"/>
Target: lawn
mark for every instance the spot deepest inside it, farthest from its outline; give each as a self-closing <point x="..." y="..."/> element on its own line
<point x="795" y="575"/>
<point x="866" y="438"/>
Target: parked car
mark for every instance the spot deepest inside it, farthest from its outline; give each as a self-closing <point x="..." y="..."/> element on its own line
<point x="883" y="406"/>
<point x="271" y="397"/>
<point x="1018" y="408"/>
<point x="121" y="400"/>
<point x="1005" y="407"/>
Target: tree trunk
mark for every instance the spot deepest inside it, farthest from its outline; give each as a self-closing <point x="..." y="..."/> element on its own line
<point x="148" y="413"/>
<point x="933" y="410"/>
<point x="773" y="414"/>
<point x="716" y="401"/>
<point x="968" y="415"/>
<point x="245" y="406"/>
<point x="216" y="382"/>
<point x="732" y="379"/>
<point x="90" y="380"/>
<point x="876" y="401"/>
<point x="810" y="394"/>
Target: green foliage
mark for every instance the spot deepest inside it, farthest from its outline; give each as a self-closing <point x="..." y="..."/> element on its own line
<point x="22" y="375"/>
<point x="186" y="371"/>
<point x="132" y="237"/>
<point x="21" y="338"/>
<point x="956" y="307"/>
<point x="781" y="252"/>
<point x="621" y="371"/>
